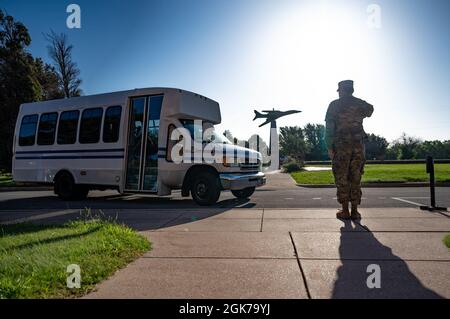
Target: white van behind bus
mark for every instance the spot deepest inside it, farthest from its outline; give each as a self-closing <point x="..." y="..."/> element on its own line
<point x="122" y="141"/>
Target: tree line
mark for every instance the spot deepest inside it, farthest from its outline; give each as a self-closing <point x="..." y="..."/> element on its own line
<point x="25" y="78"/>
<point x="308" y="143"/>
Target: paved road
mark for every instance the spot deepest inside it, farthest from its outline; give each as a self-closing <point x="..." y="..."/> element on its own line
<point x="279" y="193"/>
<point x="265" y="197"/>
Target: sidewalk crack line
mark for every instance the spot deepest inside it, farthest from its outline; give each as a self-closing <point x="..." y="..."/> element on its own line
<point x="300" y="266"/>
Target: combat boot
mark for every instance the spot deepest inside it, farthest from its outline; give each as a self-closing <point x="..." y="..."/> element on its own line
<point x="343" y="214"/>
<point x="355" y="215"/>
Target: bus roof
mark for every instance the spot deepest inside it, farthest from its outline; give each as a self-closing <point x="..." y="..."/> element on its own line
<point x="118" y="97"/>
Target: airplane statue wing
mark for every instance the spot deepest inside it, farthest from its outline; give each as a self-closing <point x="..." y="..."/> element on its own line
<point x="266" y="122"/>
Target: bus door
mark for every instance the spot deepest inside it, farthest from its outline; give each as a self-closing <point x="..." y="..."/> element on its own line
<point x="142" y="158"/>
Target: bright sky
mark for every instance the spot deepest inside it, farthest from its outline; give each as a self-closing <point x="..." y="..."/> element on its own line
<point x="261" y="54"/>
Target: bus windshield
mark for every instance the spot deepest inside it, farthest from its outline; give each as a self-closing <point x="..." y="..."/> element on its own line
<point x="210" y="135"/>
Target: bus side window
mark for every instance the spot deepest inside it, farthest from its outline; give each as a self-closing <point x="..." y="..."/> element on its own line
<point x="28" y="130"/>
<point x="47" y="129"/>
<point x="91" y="121"/>
<point x="111" y="126"/>
<point x="67" y="129"/>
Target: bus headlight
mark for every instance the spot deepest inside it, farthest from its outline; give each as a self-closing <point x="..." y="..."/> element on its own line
<point x="229" y="163"/>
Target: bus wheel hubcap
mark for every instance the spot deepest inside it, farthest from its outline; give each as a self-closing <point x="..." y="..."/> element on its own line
<point x="201" y="189"/>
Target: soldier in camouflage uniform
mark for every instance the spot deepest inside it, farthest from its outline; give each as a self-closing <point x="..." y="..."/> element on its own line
<point x="345" y="141"/>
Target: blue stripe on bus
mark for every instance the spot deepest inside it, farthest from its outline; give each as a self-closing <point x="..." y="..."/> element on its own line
<point x="69" y="157"/>
<point x="72" y="151"/>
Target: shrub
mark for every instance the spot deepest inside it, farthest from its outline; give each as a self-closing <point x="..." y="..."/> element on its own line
<point x="292" y="166"/>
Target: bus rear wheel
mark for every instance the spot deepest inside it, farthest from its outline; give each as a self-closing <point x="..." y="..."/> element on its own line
<point x="205" y="189"/>
<point x="66" y="188"/>
<point x="243" y="193"/>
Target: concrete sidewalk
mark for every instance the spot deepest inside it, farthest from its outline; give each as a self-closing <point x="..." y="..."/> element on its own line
<point x="284" y="253"/>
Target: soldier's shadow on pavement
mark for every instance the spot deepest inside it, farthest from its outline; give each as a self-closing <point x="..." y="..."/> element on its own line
<point x="356" y="251"/>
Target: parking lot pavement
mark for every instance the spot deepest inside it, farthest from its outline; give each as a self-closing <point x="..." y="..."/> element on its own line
<point x="264" y="198"/>
<point x="279" y="192"/>
<point x="289" y="253"/>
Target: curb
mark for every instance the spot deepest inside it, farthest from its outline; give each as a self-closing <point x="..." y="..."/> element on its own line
<point x="376" y="185"/>
<point x="25" y="188"/>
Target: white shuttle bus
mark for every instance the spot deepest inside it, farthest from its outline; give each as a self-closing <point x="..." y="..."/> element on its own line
<point x="123" y="140"/>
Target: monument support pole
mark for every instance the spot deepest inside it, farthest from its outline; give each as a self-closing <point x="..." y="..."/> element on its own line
<point x="274" y="148"/>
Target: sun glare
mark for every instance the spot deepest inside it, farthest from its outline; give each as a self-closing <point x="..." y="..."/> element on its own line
<point x="307" y="49"/>
<point x="317" y="43"/>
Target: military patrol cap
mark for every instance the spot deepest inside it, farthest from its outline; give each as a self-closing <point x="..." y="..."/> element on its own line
<point x="347" y="84"/>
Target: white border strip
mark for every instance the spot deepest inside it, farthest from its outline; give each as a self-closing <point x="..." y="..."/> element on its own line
<point x="407" y="201"/>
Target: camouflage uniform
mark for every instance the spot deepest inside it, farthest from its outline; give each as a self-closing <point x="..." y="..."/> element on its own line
<point x="345" y="135"/>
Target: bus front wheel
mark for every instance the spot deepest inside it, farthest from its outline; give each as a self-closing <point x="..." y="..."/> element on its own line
<point x="205" y="189"/>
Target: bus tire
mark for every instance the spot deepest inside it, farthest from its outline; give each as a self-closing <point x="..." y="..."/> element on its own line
<point x="205" y="188"/>
<point x="243" y="193"/>
<point x="81" y="191"/>
<point x="65" y="186"/>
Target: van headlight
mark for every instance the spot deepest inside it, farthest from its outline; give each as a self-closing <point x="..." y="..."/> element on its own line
<point x="229" y="162"/>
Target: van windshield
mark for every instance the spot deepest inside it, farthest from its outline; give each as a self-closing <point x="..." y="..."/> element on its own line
<point x="210" y="135"/>
<point x="216" y="138"/>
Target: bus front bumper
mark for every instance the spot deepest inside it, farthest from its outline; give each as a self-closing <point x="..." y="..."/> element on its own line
<point x="242" y="180"/>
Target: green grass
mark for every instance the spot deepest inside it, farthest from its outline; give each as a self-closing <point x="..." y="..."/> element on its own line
<point x="447" y="241"/>
<point x="34" y="258"/>
<point x="380" y="173"/>
<point x="6" y="179"/>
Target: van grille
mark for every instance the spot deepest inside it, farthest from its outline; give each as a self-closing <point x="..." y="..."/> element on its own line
<point x="250" y="166"/>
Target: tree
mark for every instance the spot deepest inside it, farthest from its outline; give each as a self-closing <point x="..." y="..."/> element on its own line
<point x="48" y="79"/>
<point x="14" y="35"/>
<point x="392" y="152"/>
<point x="234" y="140"/>
<point x="407" y="146"/>
<point x="23" y="79"/>
<point x="315" y="141"/>
<point x="376" y="147"/>
<point x="404" y="147"/>
<point x="228" y="135"/>
<point x="446" y="147"/>
<point x="61" y="54"/>
<point x="292" y="142"/>
<point x="437" y="149"/>
<point x="18" y="83"/>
